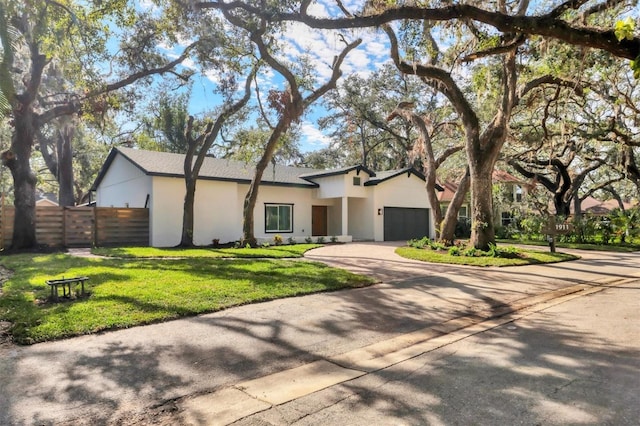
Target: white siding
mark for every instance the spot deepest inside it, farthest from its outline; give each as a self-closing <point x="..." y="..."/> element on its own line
<point x="362" y="216"/>
<point x="123" y="185"/>
<point x="331" y="186"/>
<point x="302" y="200"/>
<point x="359" y="191"/>
<point x="165" y="216"/>
<point x="215" y="214"/>
<point x="342" y="185"/>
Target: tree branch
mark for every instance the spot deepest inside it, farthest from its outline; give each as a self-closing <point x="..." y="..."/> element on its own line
<point x="548" y="25"/>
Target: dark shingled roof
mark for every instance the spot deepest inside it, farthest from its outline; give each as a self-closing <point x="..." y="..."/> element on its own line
<point x="334" y="172"/>
<point x="155" y="163"/>
<point x="389" y="174"/>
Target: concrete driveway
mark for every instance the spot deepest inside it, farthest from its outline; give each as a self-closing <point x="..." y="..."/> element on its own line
<point x="132" y="375"/>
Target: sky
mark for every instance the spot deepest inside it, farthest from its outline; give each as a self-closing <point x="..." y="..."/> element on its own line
<point x="323" y="46"/>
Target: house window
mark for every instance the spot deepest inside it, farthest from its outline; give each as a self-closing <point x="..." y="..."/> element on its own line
<point x="278" y="217"/>
<point x="518" y="194"/>
<point x="507" y="218"/>
<point x="463" y="212"/>
<point x="356" y="181"/>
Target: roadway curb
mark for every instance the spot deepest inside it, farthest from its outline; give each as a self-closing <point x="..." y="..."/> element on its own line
<point x="228" y="405"/>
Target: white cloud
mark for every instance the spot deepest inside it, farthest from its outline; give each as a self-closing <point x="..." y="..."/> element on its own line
<point x="147" y="6"/>
<point x="312" y="137"/>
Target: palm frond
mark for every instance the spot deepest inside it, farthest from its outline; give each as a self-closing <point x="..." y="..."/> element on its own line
<point x="7" y="48"/>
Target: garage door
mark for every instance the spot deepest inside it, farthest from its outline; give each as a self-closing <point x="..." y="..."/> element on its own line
<point x="401" y="224"/>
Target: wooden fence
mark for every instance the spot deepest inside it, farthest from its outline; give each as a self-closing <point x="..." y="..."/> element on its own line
<point x="82" y="226"/>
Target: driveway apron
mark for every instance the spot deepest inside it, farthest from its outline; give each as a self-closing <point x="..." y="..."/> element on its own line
<point x="118" y="375"/>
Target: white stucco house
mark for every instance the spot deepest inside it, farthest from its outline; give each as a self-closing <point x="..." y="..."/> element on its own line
<point x="351" y="203"/>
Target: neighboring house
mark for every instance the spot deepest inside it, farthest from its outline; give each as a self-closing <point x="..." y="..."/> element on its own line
<point x="351" y="203"/>
<point x="47" y="200"/>
<point x="594" y="206"/>
<point x="445" y="197"/>
<point x="509" y="192"/>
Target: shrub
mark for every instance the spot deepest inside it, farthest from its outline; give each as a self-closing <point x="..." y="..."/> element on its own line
<point x="509" y="252"/>
<point x="421" y="243"/>
<point x="291" y="241"/>
<point x="454" y="251"/>
<point x="334" y="239"/>
<point x="503" y="252"/>
<point x="320" y="240"/>
<point x="308" y="240"/>
<point x="277" y="240"/>
<point x="531" y="226"/>
<point x="463" y="228"/>
<point x="471" y="252"/>
<point x="435" y="245"/>
<point x="265" y="244"/>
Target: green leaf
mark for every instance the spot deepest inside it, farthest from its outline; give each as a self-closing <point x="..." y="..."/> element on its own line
<point x="635" y="66"/>
<point x="624" y="29"/>
<point x="6" y="84"/>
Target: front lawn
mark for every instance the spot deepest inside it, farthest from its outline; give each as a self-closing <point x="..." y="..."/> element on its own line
<point x="523" y="257"/>
<point x="273" y="252"/>
<point x="618" y="247"/>
<point x="130" y="292"/>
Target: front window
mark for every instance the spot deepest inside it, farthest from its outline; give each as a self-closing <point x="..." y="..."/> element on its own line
<point x="278" y="217"/>
<point x="518" y="193"/>
<point x="462" y="213"/>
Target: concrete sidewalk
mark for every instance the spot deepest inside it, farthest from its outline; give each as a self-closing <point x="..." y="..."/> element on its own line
<point x="166" y="372"/>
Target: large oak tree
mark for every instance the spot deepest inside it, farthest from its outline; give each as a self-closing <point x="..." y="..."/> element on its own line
<point x="568" y="22"/>
<point x="71" y="37"/>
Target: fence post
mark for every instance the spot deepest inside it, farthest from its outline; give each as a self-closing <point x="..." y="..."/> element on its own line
<point x="95" y="226"/>
<point x="64" y="226"/>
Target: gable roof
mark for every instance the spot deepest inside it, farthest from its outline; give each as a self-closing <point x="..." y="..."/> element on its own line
<point x="498" y="176"/>
<point x="167" y="164"/>
<point x="390" y="174"/>
<point x="154" y="163"/>
<point x="340" y="171"/>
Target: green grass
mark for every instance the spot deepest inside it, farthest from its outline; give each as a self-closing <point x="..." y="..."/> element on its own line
<point x="130" y="292"/>
<point x="273" y="252"/>
<point x="618" y="247"/>
<point x="527" y="257"/>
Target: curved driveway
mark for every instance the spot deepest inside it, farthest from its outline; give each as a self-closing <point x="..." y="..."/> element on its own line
<point x="108" y="377"/>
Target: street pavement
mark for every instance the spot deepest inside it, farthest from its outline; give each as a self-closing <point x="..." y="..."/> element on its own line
<point x="430" y="344"/>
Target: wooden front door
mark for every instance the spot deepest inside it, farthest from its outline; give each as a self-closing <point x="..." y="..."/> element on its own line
<point x="319" y="220"/>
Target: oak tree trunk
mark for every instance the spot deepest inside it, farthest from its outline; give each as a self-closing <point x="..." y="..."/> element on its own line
<point x="482" y="227"/>
<point x="448" y="228"/>
<point x="24" y="181"/>
<point x="65" y="167"/>
<point x="248" y="230"/>
<point x="187" y="218"/>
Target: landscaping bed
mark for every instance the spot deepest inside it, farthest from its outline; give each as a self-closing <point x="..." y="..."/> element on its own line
<point x="430" y="251"/>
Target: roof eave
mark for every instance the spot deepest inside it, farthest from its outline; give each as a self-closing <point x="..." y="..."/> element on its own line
<point x="359" y="168"/>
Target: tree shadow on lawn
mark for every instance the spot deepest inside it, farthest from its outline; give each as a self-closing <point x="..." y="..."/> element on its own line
<point x="209" y="287"/>
<point x="209" y="352"/>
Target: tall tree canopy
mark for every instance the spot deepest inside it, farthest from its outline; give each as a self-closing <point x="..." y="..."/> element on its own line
<point x="490" y="38"/>
<point x="57" y="63"/>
